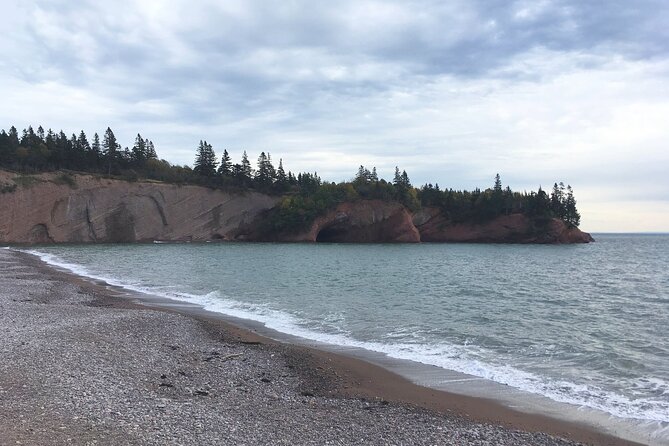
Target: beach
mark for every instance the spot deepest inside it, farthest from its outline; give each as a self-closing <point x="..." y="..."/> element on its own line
<point x="84" y="364"/>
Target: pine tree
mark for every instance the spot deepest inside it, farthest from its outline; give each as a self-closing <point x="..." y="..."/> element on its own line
<point x="497" y="188"/>
<point x="397" y="179"/>
<point x="557" y="201"/>
<point x="110" y="151"/>
<point x="150" y="150"/>
<point x="374" y="176"/>
<point x="13" y="138"/>
<point x="405" y="180"/>
<point x="245" y="174"/>
<point x="572" y="217"/>
<point x="281" y="177"/>
<point x="265" y="173"/>
<point x="95" y="147"/>
<point x="139" y="151"/>
<point x="82" y="141"/>
<point x="363" y="175"/>
<point x="205" y="160"/>
<point x="225" y="168"/>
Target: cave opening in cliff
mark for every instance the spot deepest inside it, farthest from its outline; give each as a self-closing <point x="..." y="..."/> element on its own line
<point x="330" y="235"/>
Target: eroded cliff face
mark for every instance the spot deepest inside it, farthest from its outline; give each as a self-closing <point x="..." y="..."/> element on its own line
<point x="515" y="228"/>
<point x="103" y="210"/>
<point x="46" y="209"/>
<point x="365" y="221"/>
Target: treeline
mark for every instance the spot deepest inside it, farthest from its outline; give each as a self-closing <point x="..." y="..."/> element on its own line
<point x="305" y="195"/>
<point x="39" y="151"/>
<point x="482" y="205"/>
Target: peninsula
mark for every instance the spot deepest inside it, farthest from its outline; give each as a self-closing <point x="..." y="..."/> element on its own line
<point x="55" y="189"/>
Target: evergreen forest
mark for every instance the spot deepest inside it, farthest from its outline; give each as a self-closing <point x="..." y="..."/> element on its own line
<point x="304" y="195"/>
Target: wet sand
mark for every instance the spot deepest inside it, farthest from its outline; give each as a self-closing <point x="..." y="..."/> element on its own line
<point x="81" y="364"/>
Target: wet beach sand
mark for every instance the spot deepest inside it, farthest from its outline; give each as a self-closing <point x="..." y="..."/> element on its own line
<point x="82" y="364"/>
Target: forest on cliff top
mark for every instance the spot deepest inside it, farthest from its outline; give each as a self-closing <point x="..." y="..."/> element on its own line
<point x="304" y="195"/>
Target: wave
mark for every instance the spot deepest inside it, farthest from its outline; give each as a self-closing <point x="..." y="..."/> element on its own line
<point x="467" y="359"/>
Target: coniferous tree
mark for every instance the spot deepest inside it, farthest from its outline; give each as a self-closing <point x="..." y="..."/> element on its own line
<point x="110" y="149"/>
<point x="82" y="141"/>
<point x="150" y="150"/>
<point x="497" y="188"/>
<point x="557" y="201"/>
<point x="244" y="173"/>
<point x="572" y="217"/>
<point x="139" y="151"/>
<point x="95" y="146"/>
<point x="205" y="160"/>
<point x="397" y="179"/>
<point x="264" y="175"/>
<point x="281" y="177"/>
<point x="225" y="168"/>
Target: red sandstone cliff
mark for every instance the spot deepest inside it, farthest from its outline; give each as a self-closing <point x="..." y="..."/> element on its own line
<point x="364" y="221"/>
<point x="515" y="228"/>
<point x="46" y="209"/>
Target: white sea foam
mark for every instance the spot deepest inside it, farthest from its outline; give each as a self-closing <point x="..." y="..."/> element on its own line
<point x="468" y="358"/>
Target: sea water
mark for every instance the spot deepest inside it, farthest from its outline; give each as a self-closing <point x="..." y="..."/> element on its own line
<point x="581" y="324"/>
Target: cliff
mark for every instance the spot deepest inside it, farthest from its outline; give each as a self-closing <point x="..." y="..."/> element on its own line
<point x="515" y="228"/>
<point x="58" y="208"/>
<point x="47" y="209"/>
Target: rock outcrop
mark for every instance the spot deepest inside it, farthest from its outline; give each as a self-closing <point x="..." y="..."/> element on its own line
<point x="102" y="210"/>
<point x="52" y="208"/>
<point x="367" y="221"/>
<point x="516" y="228"/>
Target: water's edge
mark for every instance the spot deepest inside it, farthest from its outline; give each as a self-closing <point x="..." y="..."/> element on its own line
<point x="416" y="372"/>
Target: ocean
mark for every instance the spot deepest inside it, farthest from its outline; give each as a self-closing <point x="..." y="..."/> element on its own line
<point x="585" y="325"/>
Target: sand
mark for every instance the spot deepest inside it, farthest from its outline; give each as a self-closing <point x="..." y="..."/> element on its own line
<point x="81" y="364"/>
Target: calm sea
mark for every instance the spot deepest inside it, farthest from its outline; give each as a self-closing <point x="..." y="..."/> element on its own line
<point x="582" y="324"/>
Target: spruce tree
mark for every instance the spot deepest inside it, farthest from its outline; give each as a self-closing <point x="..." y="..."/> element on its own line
<point x="497" y="188"/>
<point x="281" y="177"/>
<point x="110" y="149"/>
<point x="572" y="217"/>
<point x="225" y="168"/>
<point x="150" y="150"/>
<point x="205" y="160"/>
<point x="264" y="173"/>
<point x="245" y="175"/>
<point x="95" y="147"/>
<point x="139" y="152"/>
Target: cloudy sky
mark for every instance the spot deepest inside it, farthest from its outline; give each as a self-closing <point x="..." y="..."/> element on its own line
<point x="452" y="91"/>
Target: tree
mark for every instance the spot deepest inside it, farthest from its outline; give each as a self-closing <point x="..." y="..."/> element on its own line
<point x="572" y="217"/>
<point x="374" y="176"/>
<point x="281" y="182"/>
<point x="150" y="150"/>
<point x="243" y="172"/>
<point x="110" y="150"/>
<point x="225" y="168"/>
<point x="497" y="188"/>
<point x="397" y="179"/>
<point x="139" y="150"/>
<point x="205" y="160"/>
<point x="557" y="201"/>
<point x="265" y="174"/>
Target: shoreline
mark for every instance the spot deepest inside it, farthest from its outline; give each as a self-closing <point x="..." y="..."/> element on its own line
<point x="327" y="374"/>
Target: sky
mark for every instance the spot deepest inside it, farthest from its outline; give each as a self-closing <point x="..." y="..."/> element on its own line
<point x="453" y="92"/>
